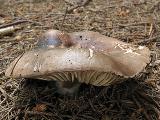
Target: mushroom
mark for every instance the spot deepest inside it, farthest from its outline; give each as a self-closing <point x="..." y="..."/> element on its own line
<point x="129" y="59"/>
<point x="89" y="58"/>
<point x="49" y="39"/>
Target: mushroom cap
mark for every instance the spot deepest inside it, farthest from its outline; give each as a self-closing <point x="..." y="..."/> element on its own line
<point x="49" y="39"/>
<point x="129" y="58"/>
<point x="63" y="64"/>
<point x="100" y="61"/>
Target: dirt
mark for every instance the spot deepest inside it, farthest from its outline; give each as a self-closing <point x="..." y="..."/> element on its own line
<point x="133" y="21"/>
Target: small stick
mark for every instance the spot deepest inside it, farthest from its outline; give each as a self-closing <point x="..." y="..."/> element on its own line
<point x="68" y="2"/>
<point x="149" y="40"/>
<point x="17" y="22"/>
<point x="4" y="93"/>
<point x="65" y="14"/>
<point x="38" y="113"/>
<point x="156" y="5"/>
<point x="72" y="8"/>
<point x="76" y="6"/>
<point x="8" y="30"/>
<point x="150" y="29"/>
<point x="133" y="24"/>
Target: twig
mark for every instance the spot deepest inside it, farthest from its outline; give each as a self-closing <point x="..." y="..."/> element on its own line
<point x="68" y="2"/>
<point x="2" y="117"/>
<point x="16" y="63"/>
<point x="78" y="5"/>
<point x="65" y="14"/>
<point x="136" y="100"/>
<point x="8" y="30"/>
<point x="150" y="29"/>
<point x="149" y="40"/>
<point x="8" y="40"/>
<point x="133" y="24"/>
<point x="72" y="8"/>
<point x="39" y="113"/>
<point x="18" y="22"/>
<point x="5" y="93"/>
<point x="155" y="6"/>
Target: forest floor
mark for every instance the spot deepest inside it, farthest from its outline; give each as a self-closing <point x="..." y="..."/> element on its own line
<point x="133" y="21"/>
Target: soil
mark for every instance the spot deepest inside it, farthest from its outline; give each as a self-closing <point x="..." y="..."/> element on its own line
<point x="133" y="21"/>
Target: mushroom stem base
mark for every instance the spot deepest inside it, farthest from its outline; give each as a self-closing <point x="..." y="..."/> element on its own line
<point x="67" y="87"/>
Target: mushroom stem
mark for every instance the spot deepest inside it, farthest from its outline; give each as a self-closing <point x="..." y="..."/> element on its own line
<point x="68" y="88"/>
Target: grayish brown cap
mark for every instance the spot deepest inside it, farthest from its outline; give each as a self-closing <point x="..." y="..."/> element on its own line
<point x="98" y="64"/>
<point x="49" y="39"/>
<point x="127" y="58"/>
